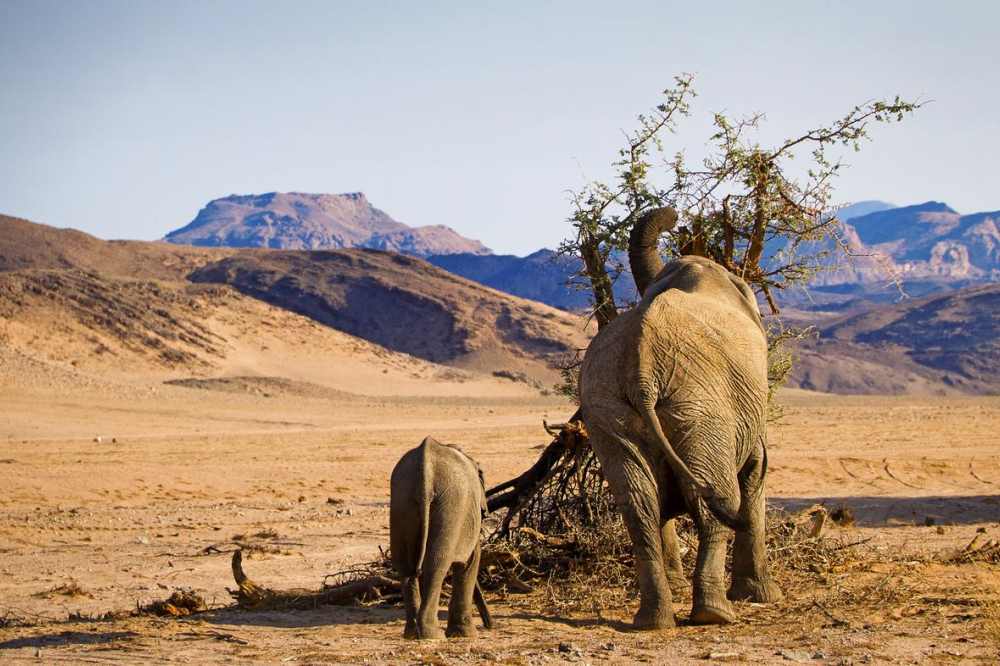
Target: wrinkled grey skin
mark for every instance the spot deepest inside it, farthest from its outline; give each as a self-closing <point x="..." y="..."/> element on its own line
<point x="674" y="398"/>
<point x="435" y="512"/>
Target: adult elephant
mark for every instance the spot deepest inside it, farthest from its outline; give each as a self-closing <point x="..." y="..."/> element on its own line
<point x="674" y="399"/>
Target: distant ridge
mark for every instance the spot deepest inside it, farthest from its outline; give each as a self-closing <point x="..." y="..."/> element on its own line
<point x="945" y="343"/>
<point x="299" y="221"/>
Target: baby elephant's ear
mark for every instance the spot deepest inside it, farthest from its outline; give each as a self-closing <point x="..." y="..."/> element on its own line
<point x="484" y="507"/>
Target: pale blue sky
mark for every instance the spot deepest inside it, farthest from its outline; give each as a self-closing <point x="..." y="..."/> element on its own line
<point x="124" y="118"/>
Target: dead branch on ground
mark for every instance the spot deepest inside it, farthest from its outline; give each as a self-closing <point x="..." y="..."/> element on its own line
<point x="252" y="596"/>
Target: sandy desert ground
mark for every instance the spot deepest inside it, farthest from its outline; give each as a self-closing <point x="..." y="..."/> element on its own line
<point x="93" y="527"/>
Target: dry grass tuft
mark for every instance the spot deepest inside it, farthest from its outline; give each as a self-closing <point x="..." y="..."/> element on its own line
<point x="266" y="533"/>
<point x="989" y="606"/>
<point x="69" y="589"/>
<point x="984" y="553"/>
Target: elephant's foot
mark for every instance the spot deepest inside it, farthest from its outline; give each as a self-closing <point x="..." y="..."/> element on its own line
<point x="654" y="616"/>
<point x="464" y="629"/>
<point x="423" y="631"/>
<point x="410" y="630"/>
<point x="711" y="609"/>
<point x="757" y="590"/>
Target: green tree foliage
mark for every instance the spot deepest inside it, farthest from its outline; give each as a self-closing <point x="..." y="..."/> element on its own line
<point x="730" y="205"/>
<point x="738" y="198"/>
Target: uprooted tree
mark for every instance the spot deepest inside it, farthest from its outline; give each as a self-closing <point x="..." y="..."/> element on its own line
<point x="743" y="206"/>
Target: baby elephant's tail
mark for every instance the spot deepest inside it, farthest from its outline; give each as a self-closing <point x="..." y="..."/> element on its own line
<point x="484" y="611"/>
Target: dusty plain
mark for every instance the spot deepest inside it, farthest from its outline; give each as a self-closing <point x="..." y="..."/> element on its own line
<point x="90" y="527"/>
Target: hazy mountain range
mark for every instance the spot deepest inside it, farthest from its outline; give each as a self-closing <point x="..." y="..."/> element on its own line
<point x="929" y="246"/>
<point x="136" y="300"/>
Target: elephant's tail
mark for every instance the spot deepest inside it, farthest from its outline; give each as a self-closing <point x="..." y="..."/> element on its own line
<point x="717" y="504"/>
<point x="684" y="474"/>
<point x="726" y="514"/>
<point x="484" y="611"/>
<point x="424" y="488"/>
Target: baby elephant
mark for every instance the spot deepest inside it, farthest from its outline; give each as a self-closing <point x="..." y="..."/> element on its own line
<point x="436" y="508"/>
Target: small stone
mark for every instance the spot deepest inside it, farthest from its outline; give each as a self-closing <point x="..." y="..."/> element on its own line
<point x="819" y="655"/>
<point x="795" y="655"/>
<point x="97" y="439"/>
<point x="567" y="647"/>
<point x="609" y="646"/>
<point x="941" y="529"/>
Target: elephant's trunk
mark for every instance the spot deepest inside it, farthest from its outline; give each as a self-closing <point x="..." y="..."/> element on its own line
<point x="643" y="253"/>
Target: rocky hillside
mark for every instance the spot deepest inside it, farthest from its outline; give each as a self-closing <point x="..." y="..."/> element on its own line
<point x="174" y="309"/>
<point x="297" y="221"/>
<point x="405" y="304"/>
<point x="947" y="342"/>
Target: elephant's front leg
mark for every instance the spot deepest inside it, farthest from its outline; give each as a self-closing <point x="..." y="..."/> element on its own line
<point x="463" y="585"/>
<point x="411" y="603"/>
<point x="672" y="564"/>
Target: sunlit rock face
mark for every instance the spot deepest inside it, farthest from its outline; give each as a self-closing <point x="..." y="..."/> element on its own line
<point x="297" y="221"/>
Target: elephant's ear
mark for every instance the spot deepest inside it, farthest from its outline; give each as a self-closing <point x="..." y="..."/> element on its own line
<point x="748" y="296"/>
<point x="484" y="507"/>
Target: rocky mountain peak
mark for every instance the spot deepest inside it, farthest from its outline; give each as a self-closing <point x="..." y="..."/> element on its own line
<point x="303" y="221"/>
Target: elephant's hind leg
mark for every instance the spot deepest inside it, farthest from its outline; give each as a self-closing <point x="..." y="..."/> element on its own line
<point x="463" y="585"/>
<point x="709" y="602"/>
<point x="751" y="576"/>
<point x="634" y="488"/>
<point x="431" y="580"/>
